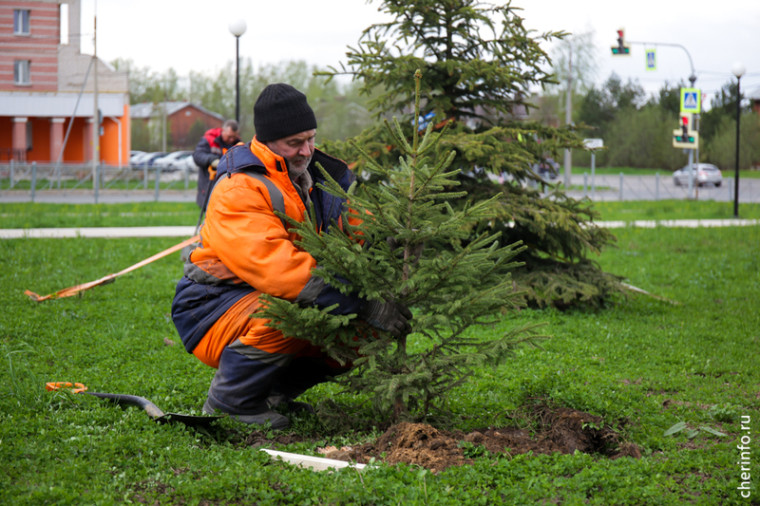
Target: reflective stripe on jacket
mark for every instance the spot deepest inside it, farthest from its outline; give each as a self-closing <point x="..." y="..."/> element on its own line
<point x="245" y="246"/>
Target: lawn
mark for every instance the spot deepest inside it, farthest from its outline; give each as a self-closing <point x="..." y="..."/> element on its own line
<point x="643" y="365"/>
<point x="146" y="214"/>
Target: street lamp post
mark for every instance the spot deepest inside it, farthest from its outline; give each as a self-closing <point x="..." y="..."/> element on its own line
<point x="738" y="71"/>
<point x="237" y="28"/>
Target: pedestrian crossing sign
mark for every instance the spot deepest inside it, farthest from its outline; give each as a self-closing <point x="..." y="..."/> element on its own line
<point x="691" y="100"/>
<point x="651" y="59"/>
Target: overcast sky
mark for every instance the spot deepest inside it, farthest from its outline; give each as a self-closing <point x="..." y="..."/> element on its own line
<point x="194" y="34"/>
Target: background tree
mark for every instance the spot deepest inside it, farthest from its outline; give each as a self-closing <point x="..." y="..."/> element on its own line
<point x="722" y="112"/>
<point x="574" y="60"/>
<point x="721" y="148"/>
<point x="340" y="108"/>
<point x="642" y="138"/>
<point x="480" y="63"/>
<point x="636" y="134"/>
<point x="640" y="135"/>
<point x="601" y="105"/>
<point x="669" y="98"/>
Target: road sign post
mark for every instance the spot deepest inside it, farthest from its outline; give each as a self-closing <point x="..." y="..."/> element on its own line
<point x="593" y="145"/>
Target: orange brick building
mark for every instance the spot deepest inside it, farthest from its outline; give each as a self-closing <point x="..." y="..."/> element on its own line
<point x="47" y="89"/>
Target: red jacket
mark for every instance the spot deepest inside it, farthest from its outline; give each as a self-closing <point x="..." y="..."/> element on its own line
<point x="210" y="147"/>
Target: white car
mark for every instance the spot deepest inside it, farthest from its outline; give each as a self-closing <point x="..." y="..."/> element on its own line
<point x="139" y="157"/>
<point x="704" y="174"/>
<point x="172" y="161"/>
<point x="186" y="164"/>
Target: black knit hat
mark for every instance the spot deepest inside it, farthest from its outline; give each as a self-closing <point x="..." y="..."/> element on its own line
<point x="281" y="111"/>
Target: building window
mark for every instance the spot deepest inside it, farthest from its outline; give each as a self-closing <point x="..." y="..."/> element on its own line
<point x="21" y="72"/>
<point x="20" y="22"/>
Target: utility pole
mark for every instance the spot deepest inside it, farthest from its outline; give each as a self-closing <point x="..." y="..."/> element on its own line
<point x="569" y="115"/>
<point x="738" y="71"/>
<point x="95" y="115"/>
<point x="164" y="114"/>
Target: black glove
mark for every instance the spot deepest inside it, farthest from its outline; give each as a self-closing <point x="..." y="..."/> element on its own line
<point x="387" y="316"/>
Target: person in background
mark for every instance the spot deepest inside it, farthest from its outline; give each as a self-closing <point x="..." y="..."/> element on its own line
<point x="210" y="148"/>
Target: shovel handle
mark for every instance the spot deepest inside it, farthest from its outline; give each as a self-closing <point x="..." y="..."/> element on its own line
<point x="120" y="399"/>
<point x="131" y="400"/>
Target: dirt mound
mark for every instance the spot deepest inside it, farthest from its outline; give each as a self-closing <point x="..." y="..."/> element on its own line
<point x="413" y="443"/>
<point x="558" y="430"/>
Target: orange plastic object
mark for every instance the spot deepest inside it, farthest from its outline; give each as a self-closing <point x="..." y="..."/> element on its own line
<point x="73" y="290"/>
<point x="59" y="385"/>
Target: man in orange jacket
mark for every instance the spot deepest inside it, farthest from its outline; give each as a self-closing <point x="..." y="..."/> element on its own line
<point x="247" y="250"/>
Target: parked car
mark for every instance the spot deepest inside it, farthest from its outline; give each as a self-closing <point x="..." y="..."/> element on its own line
<point x="138" y="159"/>
<point x="172" y="161"/>
<point x="547" y="169"/>
<point x="146" y="160"/>
<point x="187" y="164"/>
<point x="134" y="156"/>
<point x="704" y="174"/>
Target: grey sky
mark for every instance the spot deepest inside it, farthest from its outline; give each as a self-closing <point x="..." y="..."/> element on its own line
<point x="194" y="35"/>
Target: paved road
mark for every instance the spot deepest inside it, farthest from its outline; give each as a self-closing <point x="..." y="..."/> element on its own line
<point x="600" y="188"/>
<point x="606" y="188"/>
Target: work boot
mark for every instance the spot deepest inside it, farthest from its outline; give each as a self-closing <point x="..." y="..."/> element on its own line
<point x="276" y="420"/>
<point x="288" y="405"/>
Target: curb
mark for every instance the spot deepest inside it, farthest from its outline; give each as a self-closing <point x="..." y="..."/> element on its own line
<point x="107" y="232"/>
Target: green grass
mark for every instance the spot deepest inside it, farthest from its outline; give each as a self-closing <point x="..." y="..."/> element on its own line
<point x="674" y="210"/>
<point x="643" y="365"/>
<point x="37" y="215"/>
<point x="138" y="214"/>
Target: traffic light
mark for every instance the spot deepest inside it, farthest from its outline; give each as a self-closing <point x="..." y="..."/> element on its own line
<point x="621" y="48"/>
<point x="685" y="136"/>
<point x="685" y="130"/>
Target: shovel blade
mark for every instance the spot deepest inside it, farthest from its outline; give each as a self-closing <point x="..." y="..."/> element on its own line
<point x="203" y="422"/>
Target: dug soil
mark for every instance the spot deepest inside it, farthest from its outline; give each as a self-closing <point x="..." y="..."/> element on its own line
<point x="556" y="430"/>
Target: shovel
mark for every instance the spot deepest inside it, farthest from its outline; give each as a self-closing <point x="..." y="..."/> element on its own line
<point x="141" y="402"/>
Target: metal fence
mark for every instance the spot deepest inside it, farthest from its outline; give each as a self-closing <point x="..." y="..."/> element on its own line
<point x="658" y="187"/>
<point x="79" y="183"/>
<point x="33" y="181"/>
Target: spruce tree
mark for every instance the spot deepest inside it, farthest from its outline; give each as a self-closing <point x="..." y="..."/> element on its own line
<point x="402" y="240"/>
<point x="480" y="64"/>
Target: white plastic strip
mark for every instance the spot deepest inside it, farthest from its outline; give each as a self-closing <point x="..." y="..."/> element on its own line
<point x="313" y="463"/>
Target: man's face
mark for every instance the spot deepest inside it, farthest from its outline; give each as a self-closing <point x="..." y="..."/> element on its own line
<point x="297" y="149"/>
<point x="229" y="136"/>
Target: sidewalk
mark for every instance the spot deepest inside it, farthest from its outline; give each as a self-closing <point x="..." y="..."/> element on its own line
<point x="110" y="232"/>
<point x="60" y="233"/>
